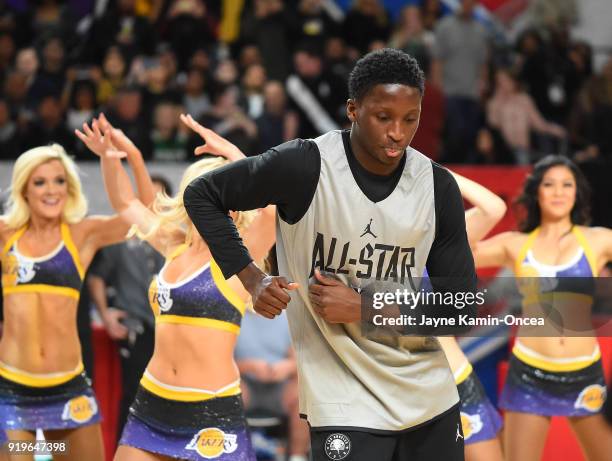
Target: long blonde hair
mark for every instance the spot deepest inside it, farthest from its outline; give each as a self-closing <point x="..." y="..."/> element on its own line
<point x="171" y="213"/>
<point x="18" y="210"/>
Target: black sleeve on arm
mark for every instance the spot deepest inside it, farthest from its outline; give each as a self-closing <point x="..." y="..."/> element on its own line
<point x="450" y="263"/>
<point x="286" y="176"/>
<point x="102" y="264"/>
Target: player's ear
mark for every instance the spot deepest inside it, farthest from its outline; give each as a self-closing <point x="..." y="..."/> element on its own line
<point x="351" y="110"/>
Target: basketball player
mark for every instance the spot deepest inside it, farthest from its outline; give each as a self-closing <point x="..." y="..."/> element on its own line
<point x="363" y="205"/>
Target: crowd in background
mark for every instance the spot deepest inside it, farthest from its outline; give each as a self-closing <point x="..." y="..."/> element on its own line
<point x="274" y="70"/>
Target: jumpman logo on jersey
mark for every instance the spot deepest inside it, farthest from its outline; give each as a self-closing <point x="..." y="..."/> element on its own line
<point x="368" y="230"/>
<point x="459" y="435"/>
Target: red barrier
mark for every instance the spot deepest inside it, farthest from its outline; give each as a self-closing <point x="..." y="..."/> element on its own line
<point x="107" y="385"/>
<point x="506" y="182"/>
<point x="503" y="181"/>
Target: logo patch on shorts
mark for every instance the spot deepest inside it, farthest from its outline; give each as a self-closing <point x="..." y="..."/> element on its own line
<point x="591" y="398"/>
<point x="212" y="442"/>
<point x="471" y="424"/>
<point x="337" y="446"/>
<point x="80" y="409"/>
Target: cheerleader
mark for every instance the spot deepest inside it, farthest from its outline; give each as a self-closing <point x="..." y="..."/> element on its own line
<point x="553" y="375"/>
<point x="188" y="405"/>
<point x="47" y="244"/>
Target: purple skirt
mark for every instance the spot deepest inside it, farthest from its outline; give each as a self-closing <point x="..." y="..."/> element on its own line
<point x="479" y="418"/>
<point x="66" y="406"/>
<point x="553" y="393"/>
<point x="209" y="429"/>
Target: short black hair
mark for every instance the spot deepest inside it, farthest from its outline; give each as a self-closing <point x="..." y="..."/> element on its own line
<point x="385" y="66"/>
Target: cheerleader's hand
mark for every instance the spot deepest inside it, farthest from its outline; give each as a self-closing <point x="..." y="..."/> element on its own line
<point x="97" y="142"/>
<point x="119" y="139"/>
<point x="213" y="143"/>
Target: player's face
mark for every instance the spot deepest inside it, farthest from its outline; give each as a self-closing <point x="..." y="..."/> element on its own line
<point x="47" y="190"/>
<point x="557" y="193"/>
<point x="384" y="121"/>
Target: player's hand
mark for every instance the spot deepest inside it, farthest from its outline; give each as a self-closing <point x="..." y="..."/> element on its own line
<point x="270" y="295"/>
<point x="333" y="301"/>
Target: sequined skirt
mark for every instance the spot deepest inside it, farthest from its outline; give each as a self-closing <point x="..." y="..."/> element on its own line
<point x="479" y="418"/>
<point x="210" y="429"/>
<point x="64" y="406"/>
<point x="532" y="389"/>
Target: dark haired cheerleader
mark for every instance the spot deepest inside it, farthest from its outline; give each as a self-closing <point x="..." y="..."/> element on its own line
<point x="557" y="373"/>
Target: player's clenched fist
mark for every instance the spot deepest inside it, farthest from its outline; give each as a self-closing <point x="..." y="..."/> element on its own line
<point x="270" y="296"/>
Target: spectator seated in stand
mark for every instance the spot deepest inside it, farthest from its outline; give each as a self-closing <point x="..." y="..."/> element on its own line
<point x="268" y="372"/>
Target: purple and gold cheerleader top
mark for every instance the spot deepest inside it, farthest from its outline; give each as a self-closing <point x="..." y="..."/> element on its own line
<point x="59" y="272"/>
<point x="202" y="299"/>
